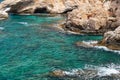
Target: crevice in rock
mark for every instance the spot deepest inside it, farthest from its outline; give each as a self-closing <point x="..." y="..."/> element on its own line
<point x="41" y="10"/>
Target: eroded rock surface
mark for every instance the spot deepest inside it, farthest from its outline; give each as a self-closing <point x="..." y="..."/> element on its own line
<point x="111" y="39"/>
<point x="86" y="74"/>
<point x="39" y="6"/>
<point x="3" y="15"/>
<point x="86" y="16"/>
<point x="90" y="17"/>
<point x="94" y="17"/>
<point x="114" y="13"/>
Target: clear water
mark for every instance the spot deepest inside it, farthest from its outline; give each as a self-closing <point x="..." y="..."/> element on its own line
<point x="1" y="0"/>
<point x="31" y="46"/>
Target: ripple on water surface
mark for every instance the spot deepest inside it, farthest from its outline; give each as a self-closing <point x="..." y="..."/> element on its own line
<point x="31" y="47"/>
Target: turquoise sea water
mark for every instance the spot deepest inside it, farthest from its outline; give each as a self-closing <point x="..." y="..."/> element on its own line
<point x="1" y="0"/>
<point x="31" y="46"/>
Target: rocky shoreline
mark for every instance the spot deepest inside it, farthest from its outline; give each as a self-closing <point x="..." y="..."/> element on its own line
<point x="95" y="17"/>
<point x="101" y="73"/>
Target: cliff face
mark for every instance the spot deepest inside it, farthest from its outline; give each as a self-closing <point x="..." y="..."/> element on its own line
<point x="94" y="17"/>
<point x="39" y="6"/>
<point x="112" y="38"/>
<point x="114" y="12"/>
<point x="90" y="17"/>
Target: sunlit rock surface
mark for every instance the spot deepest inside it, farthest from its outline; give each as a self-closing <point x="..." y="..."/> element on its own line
<point x="3" y="15"/>
<point x="111" y="39"/>
<point x="94" y="17"/>
<point x="90" y="17"/>
<point x="39" y="6"/>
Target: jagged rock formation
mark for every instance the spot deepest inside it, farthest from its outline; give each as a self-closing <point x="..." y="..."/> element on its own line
<point x="3" y="15"/>
<point x="114" y="12"/>
<point x="94" y="17"/>
<point x="39" y="6"/>
<point x="90" y="17"/>
<point x="86" y="16"/>
<point x="111" y="39"/>
<point x="85" y="74"/>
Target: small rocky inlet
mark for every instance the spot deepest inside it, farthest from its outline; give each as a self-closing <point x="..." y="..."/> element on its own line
<point x="37" y="39"/>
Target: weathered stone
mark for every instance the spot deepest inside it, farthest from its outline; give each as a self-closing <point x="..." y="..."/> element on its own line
<point x="111" y="39"/>
<point x="85" y="74"/>
<point x="3" y="15"/>
<point x="90" y="17"/>
<point x="114" y="11"/>
<point x="39" y="6"/>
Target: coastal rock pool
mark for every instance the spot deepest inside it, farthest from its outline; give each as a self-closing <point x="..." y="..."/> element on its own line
<point x="32" y="45"/>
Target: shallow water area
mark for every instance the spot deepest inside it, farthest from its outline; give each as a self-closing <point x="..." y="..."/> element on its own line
<point x="31" y="46"/>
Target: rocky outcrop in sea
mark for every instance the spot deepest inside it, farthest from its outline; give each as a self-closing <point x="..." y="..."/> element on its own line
<point x="100" y="73"/>
<point x="111" y="39"/>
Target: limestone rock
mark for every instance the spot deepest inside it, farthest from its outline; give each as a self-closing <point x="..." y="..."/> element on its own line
<point x="91" y="16"/>
<point x="3" y="15"/>
<point x="39" y="6"/>
<point x="112" y="39"/>
<point x="114" y="11"/>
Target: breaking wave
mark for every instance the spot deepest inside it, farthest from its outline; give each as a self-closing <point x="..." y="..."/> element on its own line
<point x="1" y="28"/>
<point x="106" y="70"/>
<point x="24" y="23"/>
<point x="100" y="47"/>
<point x="91" y="72"/>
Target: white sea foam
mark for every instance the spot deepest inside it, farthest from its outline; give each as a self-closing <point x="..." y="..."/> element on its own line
<point x="90" y="42"/>
<point x="1" y="28"/>
<point x="100" y="47"/>
<point x="7" y="9"/>
<point x="107" y="49"/>
<point x="106" y="70"/>
<point x="94" y="72"/>
<point x="71" y="32"/>
<point x="24" y="23"/>
<point x="109" y="70"/>
<point x="103" y="71"/>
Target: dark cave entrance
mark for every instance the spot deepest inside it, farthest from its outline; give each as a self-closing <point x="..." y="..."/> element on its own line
<point x="41" y="10"/>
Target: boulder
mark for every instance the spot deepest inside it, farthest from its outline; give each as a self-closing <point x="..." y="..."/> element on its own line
<point x="111" y="39"/>
<point x="3" y="15"/>
<point x="94" y="17"/>
<point x="90" y="17"/>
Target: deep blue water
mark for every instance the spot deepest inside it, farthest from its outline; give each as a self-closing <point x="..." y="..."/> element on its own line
<point x="30" y="46"/>
<point x="1" y="0"/>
